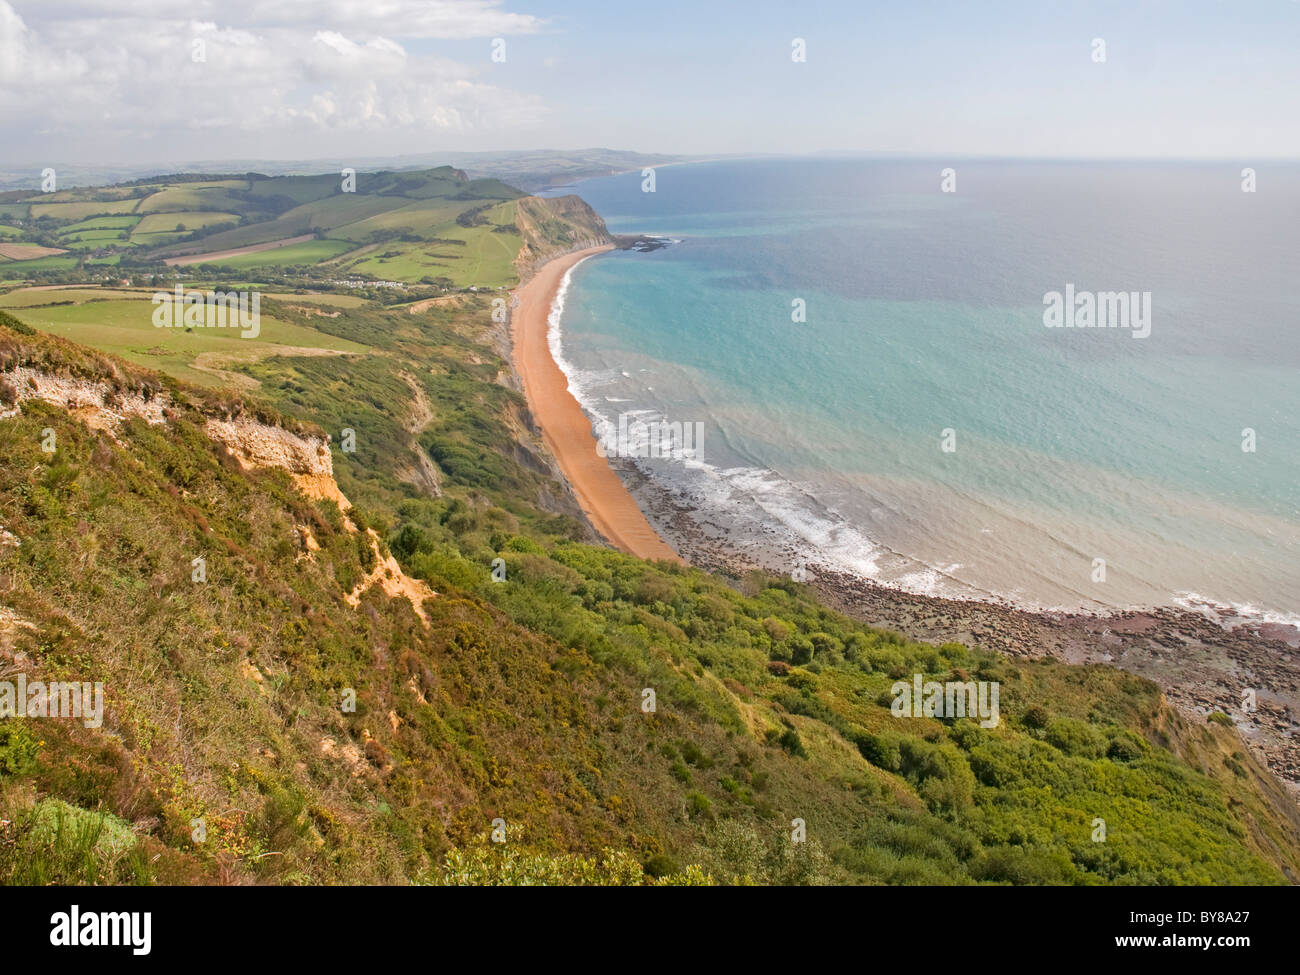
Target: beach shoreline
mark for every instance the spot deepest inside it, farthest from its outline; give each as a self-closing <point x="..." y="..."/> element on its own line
<point x="565" y="428"/>
<point x="1200" y="665"/>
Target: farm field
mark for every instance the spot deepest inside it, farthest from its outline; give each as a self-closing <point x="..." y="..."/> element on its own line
<point x="27" y="252"/>
<point x="308" y="252"/>
<point x="486" y="259"/>
<point x="89" y="240"/>
<point x="80" y="211"/>
<point x="337" y="301"/>
<point x="123" y="222"/>
<point x="221" y="194"/>
<point x="30" y="297"/>
<point x="189" y="220"/>
<point x="124" y="326"/>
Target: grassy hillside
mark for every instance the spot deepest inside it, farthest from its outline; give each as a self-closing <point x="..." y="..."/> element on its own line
<point x="515" y="703"/>
<point x="121" y="322"/>
<point x="435" y="228"/>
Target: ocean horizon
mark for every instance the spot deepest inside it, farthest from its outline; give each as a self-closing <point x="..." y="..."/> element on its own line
<point x="863" y="348"/>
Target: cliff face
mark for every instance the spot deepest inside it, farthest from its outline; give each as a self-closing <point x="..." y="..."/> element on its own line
<point x="97" y="403"/>
<point x="551" y="227"/>
<point x="104" y="397"/>
<point x="307" y="459"/>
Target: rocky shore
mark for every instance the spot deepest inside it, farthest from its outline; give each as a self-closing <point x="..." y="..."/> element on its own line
<point x="641" y="243"/>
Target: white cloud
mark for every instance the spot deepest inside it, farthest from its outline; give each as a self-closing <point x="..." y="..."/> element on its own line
<point x="279" y="76"/>
<point x="448" y="19"/>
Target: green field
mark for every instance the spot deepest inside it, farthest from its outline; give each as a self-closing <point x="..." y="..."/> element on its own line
<point x="29" y="297"/>
<point x="475" y="255"/>
<point x="421" y="217"/>
<point x="80" y="211"/>
<point x="308" y="252"/>
<point x="55" y="262"/>
<point x="87" y="194"/>
<point x="93" y="239"/>
<point x="101" y="223"/>
<point x="336" y="301"/>
<point x="196" y="196"/>
<point x="189" y="220"/>
<point x="324" y="214"/>
<point x="146" y="241"/>
<point x="125" y="327"/>
<point x="485" y="257"/>
<point x="301" y="189"/>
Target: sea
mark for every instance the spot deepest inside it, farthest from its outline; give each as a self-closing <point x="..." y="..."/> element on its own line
<point x="921" y="371"/>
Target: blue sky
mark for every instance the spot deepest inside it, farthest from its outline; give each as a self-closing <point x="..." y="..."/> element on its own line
<point x="102" y="80"/>
<point x="1209" y="78"/>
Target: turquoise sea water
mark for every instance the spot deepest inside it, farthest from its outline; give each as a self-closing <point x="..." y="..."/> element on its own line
<point x="924" y="313"/>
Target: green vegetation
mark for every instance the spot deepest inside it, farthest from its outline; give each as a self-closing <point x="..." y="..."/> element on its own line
<point x="507" y="707"/>
<point x="430" y="229"/>
<point x="520" y="700"/>
<point x="51" y="842"/>
<point x="124" y="326"/>
<point x="309" y="252"/>
<point x="179" y="222"/>
<point x="509" y="867"/>
<point x="79" y="211"/>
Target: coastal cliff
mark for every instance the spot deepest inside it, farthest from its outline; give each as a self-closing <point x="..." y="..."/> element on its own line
<point x="554" y="226"/>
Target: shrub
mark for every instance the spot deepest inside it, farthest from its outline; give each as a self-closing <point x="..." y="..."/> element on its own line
<point x="17" y="749"/>
<point x="882" y="751"/>
<point x="777" y="629"/>
<point x="698" y="805"/>
<point x="22" y="328"/>
<point x="660" y="865"/>
<point x="55" y="843"/>
<point x="1126" y="747"/>
<point x="791" y="742"/>
<point x="800" y="649"/>
<point x="1035" y="716"/>
<point x="802" y="679"/>
<point x="691" y="752"/>
<point x="1075" y="737"/>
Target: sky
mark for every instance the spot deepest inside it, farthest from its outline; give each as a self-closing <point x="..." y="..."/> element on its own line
<point x="127" y="81"/>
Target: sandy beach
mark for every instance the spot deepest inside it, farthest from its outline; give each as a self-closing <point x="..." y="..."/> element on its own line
<point x="566" y="430"/>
